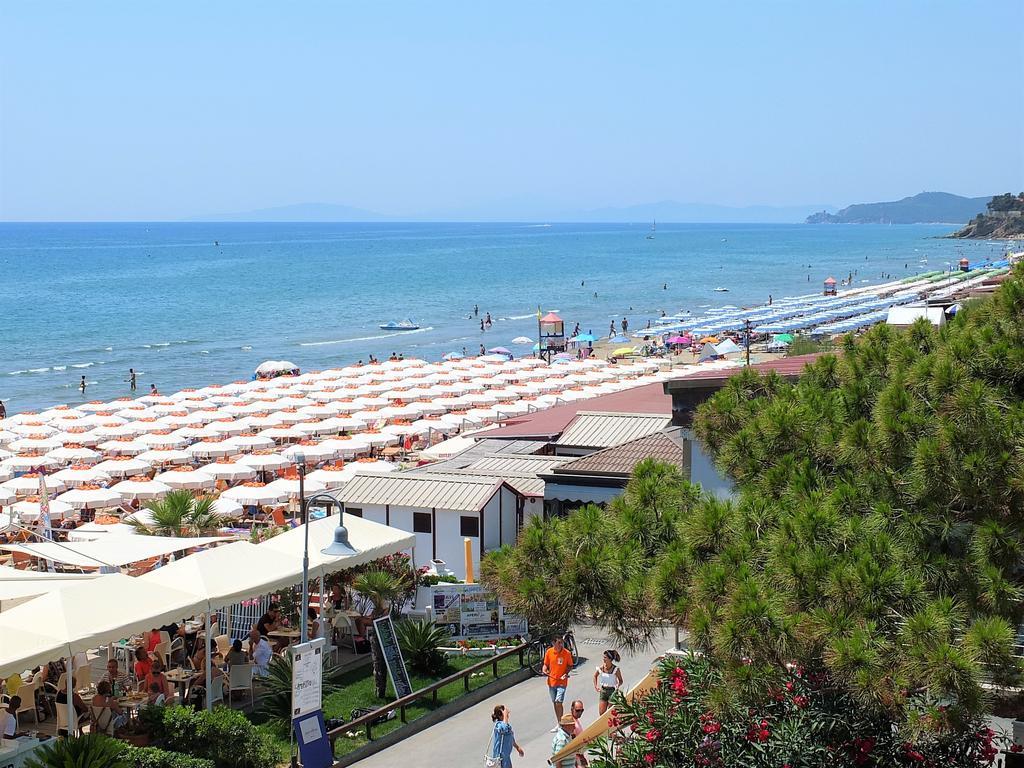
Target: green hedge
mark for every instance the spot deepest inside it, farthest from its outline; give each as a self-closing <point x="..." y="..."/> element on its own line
<point x="223" y="736"/>
<point x="151" y="757"/>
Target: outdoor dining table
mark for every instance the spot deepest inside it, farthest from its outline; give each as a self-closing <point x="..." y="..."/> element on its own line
<point x="132" y="702"/>
<point x="181" y="679"/>
<point x="286" y="636"/>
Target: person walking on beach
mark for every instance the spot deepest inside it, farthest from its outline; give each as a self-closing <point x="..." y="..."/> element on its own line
<point x="81" y="385"/>
<point x="607" y="679"/>
<point x="557" y="664"/>
<point x="625" y="326"/>
<point x="503" y="739"/>
<point x="611" y="328"/>
<point x="132" y="379"/>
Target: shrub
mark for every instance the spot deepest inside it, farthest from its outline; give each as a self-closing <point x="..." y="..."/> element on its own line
<point x="224" y="736"/>
<point x="151" y="757"/>
<point x="92" y="751"/>
<point x="419" y="641"/>
<point x="276" y="703"/>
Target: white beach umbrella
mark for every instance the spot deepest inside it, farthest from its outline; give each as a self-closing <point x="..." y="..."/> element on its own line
<point x="325" y="427"/>
<point x="374" y="465"/>
<point x="109" y="431"/>
<point x="347" y="447"/>
<point x="123" y="466"/>
<point x="141" y="489"/>
<point x="91" y="497"/>
<point x="227" y="507"/>
<point x="288" y="417"/>
<point x="149" y="425"/>
<point x="222" y="427"/>
<point x="28" y="510"/>
<point x="377" y="439"/>
<point x="185" y="420"/>
<point x="6" y="497"/>
<point x="72" y="477"/>
<point x="79" y="455"/>
<point x="33" y="429"/>
<point x="35" y="444"/>
<point x="264" y="421"/>
<point x="122" y="447"/>
<point x="229" y="471"/>
<point x="264" y="461"/>
<point x="282" y="434"/>
<point x="160" y="457"/>
<point x="254" y="494"/>
<point x="250" y="442"/>
<point x="188" y="478"/>
<point x="28" y="485"/>
<point x="212" y="449"/>
<point x="162" y="440"/>
<point x="313" y="453"/>
<point x="332" y="477"/>
<point x="317" y="411"/>
<point x="290" y="487"/>
<point x="21" y="463"/>
<point x="425" y="426"/>
<point x="195" y="433"/>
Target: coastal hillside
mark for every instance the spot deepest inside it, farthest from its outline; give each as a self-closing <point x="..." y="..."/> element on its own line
<point x="1004" y="217"/>
<point x="923" y="208"/>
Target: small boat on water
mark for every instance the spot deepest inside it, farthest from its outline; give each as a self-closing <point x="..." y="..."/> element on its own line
<point x="720" y="289"/>
<point x="404" y="325"/>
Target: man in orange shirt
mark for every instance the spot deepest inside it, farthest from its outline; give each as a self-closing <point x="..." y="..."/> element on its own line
<point x="558" y="663"/>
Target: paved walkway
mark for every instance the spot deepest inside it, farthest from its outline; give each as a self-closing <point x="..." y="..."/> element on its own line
<point x="460" y="741"/>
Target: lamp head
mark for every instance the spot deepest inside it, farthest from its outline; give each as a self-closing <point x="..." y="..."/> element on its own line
<point x="299" y="458"/>
<point x="340" y="547"/>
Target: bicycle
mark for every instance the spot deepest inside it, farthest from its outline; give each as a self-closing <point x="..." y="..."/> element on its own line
<point x="537" y="648"/>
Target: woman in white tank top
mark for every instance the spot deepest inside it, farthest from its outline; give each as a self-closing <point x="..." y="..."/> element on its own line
<point x="607" y="679"/>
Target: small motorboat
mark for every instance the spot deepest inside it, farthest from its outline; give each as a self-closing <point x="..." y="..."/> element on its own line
<point x="720" y="289"/>
<point x="404" y="325"/>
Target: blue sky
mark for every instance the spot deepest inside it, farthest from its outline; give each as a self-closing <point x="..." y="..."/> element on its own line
<point x="135" y="110"/>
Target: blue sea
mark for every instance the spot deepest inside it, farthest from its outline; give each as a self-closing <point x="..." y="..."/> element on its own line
<point x="190" y="304"/>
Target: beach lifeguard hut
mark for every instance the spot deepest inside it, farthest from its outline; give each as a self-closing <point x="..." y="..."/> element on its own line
<point x="550" y="335"/>
<point x="965" y="265"/>
<point x="830" y="286"/>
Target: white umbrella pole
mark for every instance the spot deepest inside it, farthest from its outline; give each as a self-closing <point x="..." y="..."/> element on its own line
<point x="68" y="675"/>
<point x="209" y="664"/>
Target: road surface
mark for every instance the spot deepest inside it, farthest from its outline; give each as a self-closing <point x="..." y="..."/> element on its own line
<point x="460" y="741"/>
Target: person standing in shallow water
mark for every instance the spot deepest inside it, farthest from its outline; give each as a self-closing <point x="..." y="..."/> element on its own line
<point x="81" y="385"/>
<point x="132" y="379"/>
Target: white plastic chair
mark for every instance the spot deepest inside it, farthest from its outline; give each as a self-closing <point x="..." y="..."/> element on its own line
<point x="218" y="691"/>
<point x="27" y="692"/>
<point x="239" y="679"/>
<point x="344" y="625"/>
<point x="62" y="720"/>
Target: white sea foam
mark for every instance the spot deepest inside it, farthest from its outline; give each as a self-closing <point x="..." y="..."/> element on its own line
<point x="518" y="317"/>
<point x="81" y="365"/>
<point x="38" y="370"/>
<point x="364" y="338"/>
<point x="16" y="373"/>
<point x="246" y="348"/>
<point x="60" y="367"/>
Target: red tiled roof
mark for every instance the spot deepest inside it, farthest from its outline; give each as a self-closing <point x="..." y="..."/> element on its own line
<point x="649" y="398"/>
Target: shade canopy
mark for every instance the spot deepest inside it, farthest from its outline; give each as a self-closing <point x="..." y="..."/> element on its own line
<point x="18" y="586"/>
<point x="123" y="550"/>
<point x="371" y="540"/>
<point x="67" y="621"/>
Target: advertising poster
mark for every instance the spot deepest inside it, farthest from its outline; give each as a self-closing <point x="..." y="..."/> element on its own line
<point x="472" y="611"/>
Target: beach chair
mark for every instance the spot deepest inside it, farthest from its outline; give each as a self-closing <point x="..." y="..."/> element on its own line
<point x="239" y="679"/>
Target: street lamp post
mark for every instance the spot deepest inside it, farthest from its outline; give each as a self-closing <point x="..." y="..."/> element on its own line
<point x="339" y="547"/>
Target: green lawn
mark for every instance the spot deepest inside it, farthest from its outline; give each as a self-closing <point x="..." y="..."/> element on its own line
<point x="358" y="693"/>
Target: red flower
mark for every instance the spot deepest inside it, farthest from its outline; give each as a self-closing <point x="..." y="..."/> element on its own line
<point x="649" y="758"/>
<point x="653" y="735"/>
<point x="789" y="685"/>
<point x="1016" y="748"/>
<point x="800" y="701"/>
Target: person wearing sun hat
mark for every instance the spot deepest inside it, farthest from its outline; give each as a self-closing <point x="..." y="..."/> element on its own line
<point x="567" y="725"/>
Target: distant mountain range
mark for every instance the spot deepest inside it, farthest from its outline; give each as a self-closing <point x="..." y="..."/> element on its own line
<point x="924" y="208"/>
<point x="666" y="211"/>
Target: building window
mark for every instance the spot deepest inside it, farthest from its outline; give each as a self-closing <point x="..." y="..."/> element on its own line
<point x="469" y="526"/>
<point x="354" y="511"/>
<point x="421" y="522"/>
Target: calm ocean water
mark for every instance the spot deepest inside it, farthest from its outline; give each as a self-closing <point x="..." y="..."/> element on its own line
<point x="96" y="299"/>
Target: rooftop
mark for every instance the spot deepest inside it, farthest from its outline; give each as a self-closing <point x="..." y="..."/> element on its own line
<point x="469" y="493"/>
<point x="591" y="429"/>
<point x="549" y="423"/>
<point x="619" y="460"/>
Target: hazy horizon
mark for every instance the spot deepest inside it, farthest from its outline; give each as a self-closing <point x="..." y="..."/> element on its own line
<point x="128" y="112"/>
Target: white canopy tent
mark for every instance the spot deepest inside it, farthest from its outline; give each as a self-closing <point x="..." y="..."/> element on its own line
<point x="18" y="586"/>
<point x="117" y="551"/>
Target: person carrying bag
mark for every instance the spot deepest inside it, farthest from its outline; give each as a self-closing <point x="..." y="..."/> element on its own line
<point x="503" y="740"/>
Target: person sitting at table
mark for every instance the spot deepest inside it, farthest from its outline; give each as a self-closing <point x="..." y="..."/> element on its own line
<point x="261" y="656"/>
<point x="317" y="626"/>
<point x="152" y="640"/>
<point x="155" y="697"/>
<point x="107" y="715"/>
<point x="254" y="640"/>
<point x="119" y="681"/>
<point x="142" y="663"/>
<point x="9" y="719"/>
<point x="361" y="622"/>
<point x="156" y="675"/>
<point x="236" y="655"/>
<point x="81" y="710"/>
<point x="269" y="621"/>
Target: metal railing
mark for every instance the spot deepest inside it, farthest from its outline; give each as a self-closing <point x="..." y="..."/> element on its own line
<point x="368" y="720"/>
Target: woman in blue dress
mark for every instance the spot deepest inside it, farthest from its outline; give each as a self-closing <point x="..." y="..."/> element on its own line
<point x="503" y="739"/>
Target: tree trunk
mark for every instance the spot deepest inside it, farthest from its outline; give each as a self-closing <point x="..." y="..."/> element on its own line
<point x="380" y="676"/>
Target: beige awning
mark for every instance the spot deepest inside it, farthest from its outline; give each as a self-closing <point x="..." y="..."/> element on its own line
<point x="116" y="552"/>
<point x="66" y="621"/>
<point x="370" y="539"/>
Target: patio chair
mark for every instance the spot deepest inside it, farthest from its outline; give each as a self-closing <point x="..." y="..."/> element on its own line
<point x="176" y="650"/>
<point x="218" y="690"/>
<point x="344" y="625"/>
<point x="83" y="678"/>
<point x="27" y="692"/>
<point x="163" y="650"/>
<point x="239" y="679"/>
<point x="62" y="720"/>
